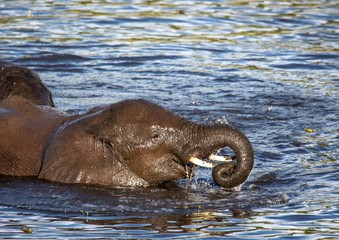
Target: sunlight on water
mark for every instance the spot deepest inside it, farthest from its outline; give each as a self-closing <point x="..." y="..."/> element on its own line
<point x="270" y="68"/>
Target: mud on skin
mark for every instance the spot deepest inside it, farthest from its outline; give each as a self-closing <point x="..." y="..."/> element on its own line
<point x="129" y="143"/>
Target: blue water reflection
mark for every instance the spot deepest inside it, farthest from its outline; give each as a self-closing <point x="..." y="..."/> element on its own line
<point x="269" y="68"/>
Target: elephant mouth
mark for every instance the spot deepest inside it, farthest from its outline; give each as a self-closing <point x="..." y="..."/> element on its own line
<point x="185" y="169"/>
<point x="210" y="161"/>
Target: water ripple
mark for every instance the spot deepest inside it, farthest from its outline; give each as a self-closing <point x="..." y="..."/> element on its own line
<point x="269" y="68"/>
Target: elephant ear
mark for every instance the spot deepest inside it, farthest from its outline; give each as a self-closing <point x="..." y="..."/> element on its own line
<point x="77" y="154"/>
<point x="108" y="123"/>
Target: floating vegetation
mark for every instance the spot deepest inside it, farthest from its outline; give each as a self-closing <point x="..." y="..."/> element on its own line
<point x="309" y="130"/>
<point x="27" y="230"/>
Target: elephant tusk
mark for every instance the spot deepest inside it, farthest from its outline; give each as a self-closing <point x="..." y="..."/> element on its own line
<point x="201" y="163"/>
<point x="218" y="158"/>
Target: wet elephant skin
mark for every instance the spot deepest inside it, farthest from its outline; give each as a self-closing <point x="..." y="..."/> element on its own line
<point x="129" y="143"/>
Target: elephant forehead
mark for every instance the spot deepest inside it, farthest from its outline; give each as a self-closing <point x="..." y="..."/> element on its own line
<point x="135" y="130"/>
<point x="142" y="136"/>
<point x="164" y="129"/>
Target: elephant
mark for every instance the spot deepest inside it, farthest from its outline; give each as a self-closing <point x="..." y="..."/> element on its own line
<point x="21" y="81"/>
<point x="132" y="143"/>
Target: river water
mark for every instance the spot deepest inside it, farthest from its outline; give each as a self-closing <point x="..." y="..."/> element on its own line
<point x="269" y="68"/>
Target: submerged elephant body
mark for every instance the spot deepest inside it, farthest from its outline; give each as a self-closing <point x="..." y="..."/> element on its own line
<point x="130" y="143"/>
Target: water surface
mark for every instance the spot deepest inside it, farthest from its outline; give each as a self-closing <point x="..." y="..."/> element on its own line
<point x="269" y="68"/>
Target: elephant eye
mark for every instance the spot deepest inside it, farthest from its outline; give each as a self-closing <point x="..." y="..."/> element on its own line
<point x="156" y="137"/>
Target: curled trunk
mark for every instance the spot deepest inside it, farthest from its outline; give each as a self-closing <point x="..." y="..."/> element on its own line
<point x="233" y="174"/>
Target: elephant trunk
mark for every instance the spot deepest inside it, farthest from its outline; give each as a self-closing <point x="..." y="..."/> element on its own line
<point x="212" y="138"/>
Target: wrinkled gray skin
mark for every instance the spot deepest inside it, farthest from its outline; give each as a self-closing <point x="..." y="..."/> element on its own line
<point x="130" y="143"/>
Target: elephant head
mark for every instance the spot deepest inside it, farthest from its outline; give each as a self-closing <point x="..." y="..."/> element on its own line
<point x="138" y="143"/>
<point x="21" y="81"/>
